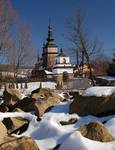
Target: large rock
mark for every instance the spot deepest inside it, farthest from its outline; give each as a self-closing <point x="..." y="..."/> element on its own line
<point x="19" y="125"/>
<point x="3" y="132"/>
<point x="26" y="104"/>
<point x="12" y="143"/>
<point x="42" y="106"/>
<point x="15" y="125"/>
<point x="11" y="96"/>
<point x="23" y="143"/>
<point x="96" y="131"/>
<point x="45" y="99"/>
<point x="45" y="93"/>
<point x="92" y="105"/>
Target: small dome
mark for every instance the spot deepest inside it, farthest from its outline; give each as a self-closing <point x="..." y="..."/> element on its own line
<point x="61" y="54"/>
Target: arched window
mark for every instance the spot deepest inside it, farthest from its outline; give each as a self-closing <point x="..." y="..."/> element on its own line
<point x="64" y="60"/>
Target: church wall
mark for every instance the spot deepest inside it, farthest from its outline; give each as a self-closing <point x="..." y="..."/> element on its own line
<point x="62" y="65"/>
<point x="52" y="50"/>
<point x="59" y="77"/>
<point x="51" y="58"/>
<point x="63" y="60"/>
<point x="61" y="70"/>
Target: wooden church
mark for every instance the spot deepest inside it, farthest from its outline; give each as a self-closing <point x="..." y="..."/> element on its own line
<point x="52" y="65"/>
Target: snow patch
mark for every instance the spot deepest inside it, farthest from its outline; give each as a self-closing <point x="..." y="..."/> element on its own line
<point x="110" y="125"/>
<point x="99" y="91"/>
<point x="77" y="142"/>
<point x="109" y="78"/>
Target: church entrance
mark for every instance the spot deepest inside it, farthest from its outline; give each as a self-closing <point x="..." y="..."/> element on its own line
<point x="65" y="76"/>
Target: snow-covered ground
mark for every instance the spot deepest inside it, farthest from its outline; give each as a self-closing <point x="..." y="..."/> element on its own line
<point x="99" y="91"/>
<point x="49" y="132"/>
<point x="34" y="85"/>
<point x="77" y="142"/>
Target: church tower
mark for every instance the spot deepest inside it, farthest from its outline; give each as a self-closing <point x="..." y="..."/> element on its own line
<point x="50" y="51"/>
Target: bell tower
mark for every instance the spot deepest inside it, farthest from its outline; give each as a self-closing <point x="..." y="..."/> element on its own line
<point x="50" y="50"/>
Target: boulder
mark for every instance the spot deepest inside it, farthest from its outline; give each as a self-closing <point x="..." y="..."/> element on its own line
<point x="45" y="93"/>
<point x="19" y="125"/>
<point x="15" y="125"/>
<point x="26" y="104"/>
<point x="3" y="132"/>
<point x="41" y="106"/>
<point x="23" y="143"/>
<point x="11" y="96"/>
<point x="96" y="131"/>
<point x="92" y="105"/>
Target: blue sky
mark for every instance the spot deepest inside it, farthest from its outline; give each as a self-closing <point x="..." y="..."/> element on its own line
<point x="100" y="16"/>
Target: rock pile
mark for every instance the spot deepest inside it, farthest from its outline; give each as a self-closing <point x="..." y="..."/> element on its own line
<point x="39" y="101"/>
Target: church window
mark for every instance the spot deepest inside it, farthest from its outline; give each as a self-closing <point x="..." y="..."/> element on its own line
<point x="64" y="60"/>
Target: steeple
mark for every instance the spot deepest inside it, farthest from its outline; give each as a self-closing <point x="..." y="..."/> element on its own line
<point x="50" y="35"/>
<point x="50" y="50"/>
<point x="50" y="39"/>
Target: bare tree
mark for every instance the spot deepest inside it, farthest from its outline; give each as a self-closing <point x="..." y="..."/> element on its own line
<point x="83" y="46"/>
<point x="21" y="53"/>
<point x="7" y="20"/>
<point x="101" y="63"/>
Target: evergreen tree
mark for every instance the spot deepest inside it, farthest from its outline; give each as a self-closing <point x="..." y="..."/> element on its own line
<point x="111" y="69"/>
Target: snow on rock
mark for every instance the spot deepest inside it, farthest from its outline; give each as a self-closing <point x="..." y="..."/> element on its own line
<point x="27" y="116"/>
<point x="99" y="91"/>
<point x="110" y="125"/>
<point x="35" y="85"/>
<point x="48" y="72"/>
<point x="77" y="142"/>
<point x="109" y="78"/>
<point x="62" y="95"/>
<point x="30" y="87"/>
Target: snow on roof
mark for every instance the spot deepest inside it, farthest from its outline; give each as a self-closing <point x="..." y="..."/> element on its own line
<point x="106" y="78"/>
<point x="99" y="91"/>
<point x="48" y="72"/>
